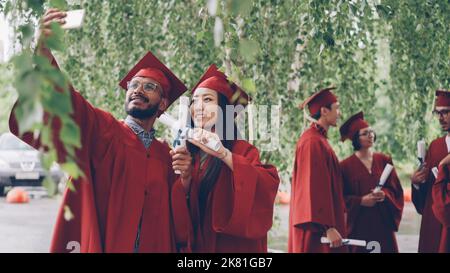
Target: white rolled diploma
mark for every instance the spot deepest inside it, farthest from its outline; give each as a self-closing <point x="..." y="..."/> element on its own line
<point x="170" y="122"/>
<point x="173" y="124"/>
<point x="421" y="150"/>
<point x="351" y="242"/>
<point x="435" y="172"/>
<point x="183" y="112"/>
<point x="384" y="176"/>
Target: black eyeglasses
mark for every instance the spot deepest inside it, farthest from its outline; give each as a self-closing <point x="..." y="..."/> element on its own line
<point x="441" y="114"/>
<point x="147" y="87"/>
<point x="368" y="132"/>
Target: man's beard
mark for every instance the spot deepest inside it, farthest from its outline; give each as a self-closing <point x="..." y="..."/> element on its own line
<point x="447" y="129"/>
<point x="142" y="113"/>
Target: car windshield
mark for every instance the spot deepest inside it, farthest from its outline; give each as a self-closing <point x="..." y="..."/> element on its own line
<point x="11" y="142"/>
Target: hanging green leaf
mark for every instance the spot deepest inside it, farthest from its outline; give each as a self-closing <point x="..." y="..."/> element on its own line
<point x="68" y="215"/>
<point x="70" y="133"/>
<point x="59" y="4"/>
<point x="249" y="50"/>
<point x="240" y="7"/>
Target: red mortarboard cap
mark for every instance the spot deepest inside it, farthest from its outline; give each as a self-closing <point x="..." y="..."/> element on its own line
<point x="218" y="81"/>
<point x="353" y="125"/>
<point x="442" y="98"/>
<point x="319" y="99"/>
<point x="150" y="67"/>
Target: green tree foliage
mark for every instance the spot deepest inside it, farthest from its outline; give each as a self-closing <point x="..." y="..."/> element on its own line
<point x="419" y="45"/>
<point x="43" y="95"/>
<point x="385" y="57"/>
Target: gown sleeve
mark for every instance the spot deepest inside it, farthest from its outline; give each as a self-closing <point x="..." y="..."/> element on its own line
<point x="94" y="124"/>
<point x="182" y="222"/>
<point x="419" y="194"/>
<point x="243" y="200"/>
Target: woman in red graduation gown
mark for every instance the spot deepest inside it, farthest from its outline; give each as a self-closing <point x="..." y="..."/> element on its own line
<point x="441" y="203"/>
<point x="230" y="197"/>
<point x="370" y="216"/>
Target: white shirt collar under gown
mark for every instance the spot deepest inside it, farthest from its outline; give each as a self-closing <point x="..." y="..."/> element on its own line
<point x="447" y="141"/>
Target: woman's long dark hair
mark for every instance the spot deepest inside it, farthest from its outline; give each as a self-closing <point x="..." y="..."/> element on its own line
<point x="209" y="179"/>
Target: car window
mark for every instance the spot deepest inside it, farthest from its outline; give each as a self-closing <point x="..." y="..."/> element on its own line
<point x="11" y="142"/>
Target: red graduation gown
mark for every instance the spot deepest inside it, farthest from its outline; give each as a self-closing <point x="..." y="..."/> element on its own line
<point x="239" y="209"/>
<point x="431" y="228"/>
<point x="317" y="201"/>
<point x="123" y="182"/>
<point x="441" y="206"/>
<point x="380" y="222"/>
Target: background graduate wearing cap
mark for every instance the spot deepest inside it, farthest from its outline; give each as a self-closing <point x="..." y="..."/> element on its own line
<point x="317" y="203"/>
<point x="441" y="203"/>
<point x="370" y="216"/>
<point x="122" y="204"/>
<point x="231" y="194"/>
<point x="422" y="180"/>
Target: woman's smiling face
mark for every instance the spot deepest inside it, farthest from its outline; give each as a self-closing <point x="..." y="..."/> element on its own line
<point x="204" y="107"/>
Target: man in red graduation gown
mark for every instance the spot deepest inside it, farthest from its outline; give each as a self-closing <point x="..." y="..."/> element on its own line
<point x="122" y="203"/>
<point x="317" y="203"/>
<point x="441" y="203"/>
<point x="422" y="180"/>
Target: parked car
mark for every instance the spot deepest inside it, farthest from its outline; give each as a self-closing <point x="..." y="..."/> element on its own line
<point x="20" y="165"/>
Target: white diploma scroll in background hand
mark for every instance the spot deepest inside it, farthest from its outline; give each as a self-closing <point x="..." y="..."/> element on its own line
<point x="421" y="150"/>
<point x="74" y="19"/>
<point x="351" y="242"/>
<point x="384" y="176"/>
<point x="435" y="172"/>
